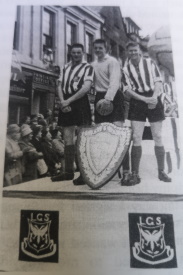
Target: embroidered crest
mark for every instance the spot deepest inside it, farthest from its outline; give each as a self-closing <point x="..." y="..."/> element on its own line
<point x="39" y="236"/>
<point x="152" y="240"/>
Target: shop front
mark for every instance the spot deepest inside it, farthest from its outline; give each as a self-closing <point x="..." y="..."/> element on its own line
<point x="19" y="102"/>
<point x="43" y="92"/>
<point x="34" y="96"/>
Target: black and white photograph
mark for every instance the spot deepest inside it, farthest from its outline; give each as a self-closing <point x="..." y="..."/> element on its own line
<point x="92" y="103"/>
<point x="91" y="118"/>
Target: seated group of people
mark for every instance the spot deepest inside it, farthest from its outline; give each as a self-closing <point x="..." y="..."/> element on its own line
<point x="33" y="150"/>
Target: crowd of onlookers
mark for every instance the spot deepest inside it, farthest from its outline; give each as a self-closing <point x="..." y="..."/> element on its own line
<point x="34" y="149"/>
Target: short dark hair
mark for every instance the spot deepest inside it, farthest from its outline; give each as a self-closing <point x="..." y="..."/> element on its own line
<point x="77" y="45"/>
<point x="100" y="41"/>
<point x="54" y="133"/>
<point x="132" y="44"/>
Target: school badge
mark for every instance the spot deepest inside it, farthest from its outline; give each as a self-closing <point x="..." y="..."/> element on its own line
<point x="152" y="241"/>
<point x="39" y="236"/>
<point x="101" y="150"/>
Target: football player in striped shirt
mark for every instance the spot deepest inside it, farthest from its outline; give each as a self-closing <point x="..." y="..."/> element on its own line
<point x="143" y="83"/>
<point x="74" y="84"/>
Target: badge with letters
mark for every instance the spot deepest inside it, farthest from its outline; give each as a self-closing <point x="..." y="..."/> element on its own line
<point x="39" y="236"/>
<point x="152" y="243"/>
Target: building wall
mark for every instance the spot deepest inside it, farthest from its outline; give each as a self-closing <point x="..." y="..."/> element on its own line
<point x="30" y="38"/>
<point x="113" y="30"/>
<point x="40" y="76"/>
<point x="114" y="25"/>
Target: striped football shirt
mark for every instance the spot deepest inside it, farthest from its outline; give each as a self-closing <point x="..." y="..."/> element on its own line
<point x="73" y="77"/>
<point x="142" y="77"/>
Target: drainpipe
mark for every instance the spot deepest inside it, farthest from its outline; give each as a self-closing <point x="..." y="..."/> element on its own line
<point x="31" y="35"/>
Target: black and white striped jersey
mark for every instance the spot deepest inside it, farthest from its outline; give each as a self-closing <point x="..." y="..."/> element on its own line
<point x="73" y="77"/>
<point x="142" y="77"/>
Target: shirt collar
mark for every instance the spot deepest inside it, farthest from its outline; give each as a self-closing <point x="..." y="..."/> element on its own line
<point x="130" y="62"/>
<point x="82" y="62"/>
<point x="105" y="58"/>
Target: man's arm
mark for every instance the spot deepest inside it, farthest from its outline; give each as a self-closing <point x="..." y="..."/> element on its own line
<point x="157" y="79"/>
<point x="129" y="92"/>
<point x="60" y="92"/>
<point x="148" y="100"/>
<point x="158" y="88"/>
<point x="85" y="88"/>
<point x="88" y="80"/>
<point x="114" y="78"/>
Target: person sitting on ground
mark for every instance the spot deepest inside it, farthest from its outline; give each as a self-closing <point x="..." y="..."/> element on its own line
<point x="51" y="157"/>
<point x="41" y="120"/>
<point x="36" y="141"/>
<point x="13" y="157"/>
<point x="30" y="155"/>
<point x="48" y="117"/>
<point x="58" y="146"/>
<point x="54" y="124"/>
<point x="26" y="120"/>
<point x="36" y="138"/>
<point x="34" y="120"/>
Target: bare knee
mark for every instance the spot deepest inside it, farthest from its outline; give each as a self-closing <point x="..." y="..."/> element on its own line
<point x="137" y="138"/>
<point x="69" y="135"/>
<point x="156" y="129"/>
<point x="157" y="139"/>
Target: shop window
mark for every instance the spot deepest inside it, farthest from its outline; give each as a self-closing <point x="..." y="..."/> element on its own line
<point x="70" y="38"/>
<point x="89" y="44"/>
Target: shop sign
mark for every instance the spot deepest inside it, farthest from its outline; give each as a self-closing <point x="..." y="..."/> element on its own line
<point x="17" y="89"/>
<point x="42" y="79"/>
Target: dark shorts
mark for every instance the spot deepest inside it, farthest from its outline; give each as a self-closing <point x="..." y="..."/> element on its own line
<point x="118" y="110"/>
<point x="80" y="114"/>
<point x="139" y="111"/>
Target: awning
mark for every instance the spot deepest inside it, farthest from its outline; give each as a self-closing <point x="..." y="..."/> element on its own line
<point x="160" y="48"/>
<point x="16" y="68"/>
<point x="19" y="99"/>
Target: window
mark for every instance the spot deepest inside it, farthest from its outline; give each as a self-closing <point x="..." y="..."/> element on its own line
<point x="89" y="44"/>
<point x="70" y="38"/>
<point x="47" y="29"/>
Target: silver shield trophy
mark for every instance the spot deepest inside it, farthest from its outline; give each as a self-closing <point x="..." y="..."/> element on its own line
<point x="101" y="150"/>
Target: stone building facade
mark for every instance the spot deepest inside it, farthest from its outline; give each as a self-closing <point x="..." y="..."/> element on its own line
<point x="113" y="30"/>
<point x="42" y="39"/>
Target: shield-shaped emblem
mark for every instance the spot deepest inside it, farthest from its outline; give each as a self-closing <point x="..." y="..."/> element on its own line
<point x="101" y="150"/>
<point x="39" y="239"/>
<point x="39" y="235"/>
<point x="152" y="242"/>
